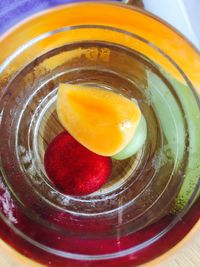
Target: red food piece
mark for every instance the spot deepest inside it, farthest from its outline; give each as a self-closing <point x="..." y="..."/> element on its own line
<point x="74" y="169"/>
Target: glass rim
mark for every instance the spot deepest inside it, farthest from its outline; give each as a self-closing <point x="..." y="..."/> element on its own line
<point x="122" y="4"/>
<point x="189" y="204"/>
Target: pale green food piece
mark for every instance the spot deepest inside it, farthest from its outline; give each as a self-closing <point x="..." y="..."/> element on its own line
<point x="173" y="128"/>
<point x="192" y="114"/>
<point x="169" y="115"/>
<point x="136" y="143"/>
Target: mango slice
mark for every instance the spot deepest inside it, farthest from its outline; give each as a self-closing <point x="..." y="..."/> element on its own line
<point x="101" y="120"/>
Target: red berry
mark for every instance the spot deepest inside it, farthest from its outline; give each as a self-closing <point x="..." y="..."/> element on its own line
<point x="74" y="169"/>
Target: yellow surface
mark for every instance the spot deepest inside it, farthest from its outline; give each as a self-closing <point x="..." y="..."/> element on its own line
<point x="101" y="120"/>
<point x="187" y="256"/>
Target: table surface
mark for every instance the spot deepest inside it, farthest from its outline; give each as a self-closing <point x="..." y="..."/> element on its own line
<point x="186" y="256"/>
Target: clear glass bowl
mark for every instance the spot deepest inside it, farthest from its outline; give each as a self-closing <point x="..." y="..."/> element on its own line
<point x="152" y="199"/>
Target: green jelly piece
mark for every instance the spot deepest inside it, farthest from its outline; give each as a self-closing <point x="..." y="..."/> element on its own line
<point x="172" y="123"/>
<point x="169" y="114"/>
<point x="136" y="143"/>
<point x="192" y="115"/>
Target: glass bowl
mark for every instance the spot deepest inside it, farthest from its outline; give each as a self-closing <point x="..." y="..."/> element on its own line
<point x="151" y="201"/>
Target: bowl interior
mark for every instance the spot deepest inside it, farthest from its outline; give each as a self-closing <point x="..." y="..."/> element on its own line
<point x="160" y="182"/>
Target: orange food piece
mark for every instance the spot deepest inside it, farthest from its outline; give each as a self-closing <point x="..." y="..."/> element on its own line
<point x="101" y="120"/>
